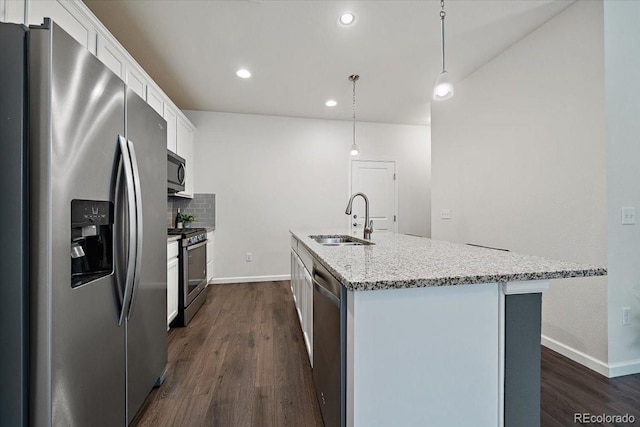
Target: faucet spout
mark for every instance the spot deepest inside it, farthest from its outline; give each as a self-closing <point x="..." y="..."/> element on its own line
<point x="368" y="225"/>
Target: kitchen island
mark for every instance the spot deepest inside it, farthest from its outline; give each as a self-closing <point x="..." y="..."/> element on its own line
<point x="435" y="333"/>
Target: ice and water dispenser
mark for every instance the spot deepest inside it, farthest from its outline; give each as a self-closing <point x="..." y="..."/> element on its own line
<point x="91" y="240"/>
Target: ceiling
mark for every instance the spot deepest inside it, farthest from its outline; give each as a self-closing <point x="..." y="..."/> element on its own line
<point x="300" y="57"/>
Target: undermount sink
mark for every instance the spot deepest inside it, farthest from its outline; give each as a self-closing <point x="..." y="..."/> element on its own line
<point x="339" y="240"/>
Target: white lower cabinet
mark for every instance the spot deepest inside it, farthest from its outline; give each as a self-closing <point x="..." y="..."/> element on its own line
<point x="172" y="281"/>
<point x="302" y="289"/>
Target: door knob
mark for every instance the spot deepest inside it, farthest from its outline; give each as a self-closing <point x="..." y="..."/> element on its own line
<point x="355" y="216"/>
<point x="355" y="224"/>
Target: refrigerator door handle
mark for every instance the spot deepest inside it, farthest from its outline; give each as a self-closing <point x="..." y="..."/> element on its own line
<point x="125" y="161"/>
<point x="139" y="225"/>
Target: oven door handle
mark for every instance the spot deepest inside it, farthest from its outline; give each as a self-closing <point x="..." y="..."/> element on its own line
<point x="196" y="246"/>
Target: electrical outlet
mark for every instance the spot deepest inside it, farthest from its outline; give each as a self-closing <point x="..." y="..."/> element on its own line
<point x="249" y="257"/>
<point x="445" y="214"/>
<point x="626" y="316"/>
<point x="627" y="216"/>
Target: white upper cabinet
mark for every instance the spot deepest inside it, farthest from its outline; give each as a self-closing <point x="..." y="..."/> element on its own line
<point x="155" y="99"/>
<point x="136" y="81"/>
<point x="171" y="116"/>
<point x="186" y="143"/>
<point x="67" y="15"/>
<point x="110" y="56"/>
<point x="12" y="11"/>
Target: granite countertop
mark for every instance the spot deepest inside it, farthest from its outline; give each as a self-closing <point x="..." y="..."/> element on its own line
<point x="403" y="261"/>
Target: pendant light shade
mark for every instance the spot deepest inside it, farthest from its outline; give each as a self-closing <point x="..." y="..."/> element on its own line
<point x="354" y="151"/>
<point x="443" y="88"/>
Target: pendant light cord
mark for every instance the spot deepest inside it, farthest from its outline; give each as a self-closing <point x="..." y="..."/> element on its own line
<point x="442" y="15"/>
<point x="354" y="110"/>
<point x="354" y="78"/>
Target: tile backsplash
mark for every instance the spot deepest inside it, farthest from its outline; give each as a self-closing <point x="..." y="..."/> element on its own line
<point x="202" y="206"/>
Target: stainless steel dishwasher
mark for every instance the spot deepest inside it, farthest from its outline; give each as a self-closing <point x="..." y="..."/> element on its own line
<point x="329" y="345"/>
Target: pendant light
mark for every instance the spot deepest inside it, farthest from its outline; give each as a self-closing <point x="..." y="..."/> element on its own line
<point x="354" y="148"/>
<point x="443" y="88"/>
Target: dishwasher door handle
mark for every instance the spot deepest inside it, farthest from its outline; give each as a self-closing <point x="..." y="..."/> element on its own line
<point x="325" y="293"/>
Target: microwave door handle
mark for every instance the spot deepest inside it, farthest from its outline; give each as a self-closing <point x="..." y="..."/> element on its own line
<point x="181" y="174"/>
<point x="125" y="164"/>
<point x="139" y="224"/>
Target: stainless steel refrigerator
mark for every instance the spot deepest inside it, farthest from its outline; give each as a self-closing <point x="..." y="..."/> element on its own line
<point x="83" y="253"/>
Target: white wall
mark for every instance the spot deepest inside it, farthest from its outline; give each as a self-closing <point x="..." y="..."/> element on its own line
<point x="622" y="64"/>
<point x="519" y="158"/>
<point x="272" y="174"/>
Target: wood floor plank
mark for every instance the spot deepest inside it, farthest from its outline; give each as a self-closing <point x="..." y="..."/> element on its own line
<point x="264" y="407"/>
<point x="264" y="341"/>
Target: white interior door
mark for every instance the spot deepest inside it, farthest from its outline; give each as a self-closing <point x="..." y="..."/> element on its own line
<point x="378" y="181"/>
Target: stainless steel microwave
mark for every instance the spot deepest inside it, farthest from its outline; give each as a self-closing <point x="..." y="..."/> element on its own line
<point x="175" y="172"/>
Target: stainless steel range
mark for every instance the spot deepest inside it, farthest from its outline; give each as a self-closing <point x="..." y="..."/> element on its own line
<point x="192" y="257"/>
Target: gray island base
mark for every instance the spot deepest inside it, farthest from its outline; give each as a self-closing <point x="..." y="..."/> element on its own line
<point x="433" y="332"/>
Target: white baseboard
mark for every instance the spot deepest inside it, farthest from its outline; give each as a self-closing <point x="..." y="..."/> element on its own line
<point x="249" y="279"/>
<point x="576" y="355"/>
<point x="629" y="367"/>
<point x="608" y="370"/>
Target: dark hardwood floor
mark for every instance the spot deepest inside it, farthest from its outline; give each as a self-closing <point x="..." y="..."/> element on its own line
<point x="569" y="388"/>
<point x="242" y="362"/>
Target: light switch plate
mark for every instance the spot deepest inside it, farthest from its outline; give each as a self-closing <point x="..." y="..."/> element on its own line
<point x="445" y="214"/>
<point x="628" y="216"/>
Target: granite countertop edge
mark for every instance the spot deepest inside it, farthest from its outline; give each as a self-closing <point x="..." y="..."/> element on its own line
<point x="452" y="280"/>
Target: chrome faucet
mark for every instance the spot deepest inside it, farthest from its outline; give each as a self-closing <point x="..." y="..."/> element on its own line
<point x="368" y="225"/>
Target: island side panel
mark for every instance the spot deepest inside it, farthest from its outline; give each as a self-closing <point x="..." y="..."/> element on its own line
<point x="424" y="356"/>
<point x="522" y="360"/>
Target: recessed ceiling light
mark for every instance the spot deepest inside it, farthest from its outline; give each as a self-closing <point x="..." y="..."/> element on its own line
<point x="346" y="19"/>
<point x="331" y="103"/>
<point x="243" y="73"/>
